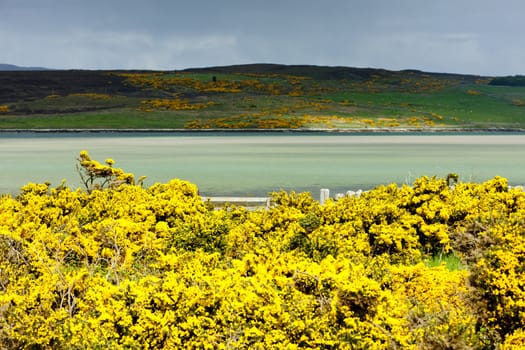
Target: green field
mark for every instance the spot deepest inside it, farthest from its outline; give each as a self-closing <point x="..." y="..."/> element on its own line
<point x="257" y="97"/>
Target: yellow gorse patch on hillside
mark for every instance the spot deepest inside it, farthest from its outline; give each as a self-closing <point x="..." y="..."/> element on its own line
<point x="91" y="95"/>
<point x="173" y="104"/>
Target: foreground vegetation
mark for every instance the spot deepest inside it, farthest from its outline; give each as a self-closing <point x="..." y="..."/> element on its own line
<point x="259" y="97"/>
<point x="115" y="265"/>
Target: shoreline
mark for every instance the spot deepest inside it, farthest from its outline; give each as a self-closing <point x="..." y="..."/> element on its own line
<point x="301" y="130"/>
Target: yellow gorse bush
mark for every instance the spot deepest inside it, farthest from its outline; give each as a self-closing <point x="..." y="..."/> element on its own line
<point x="119" y="265"/>
<point x="94" y="96"/>
<point x="173" y="104"/>
<point x="95" y="175"/>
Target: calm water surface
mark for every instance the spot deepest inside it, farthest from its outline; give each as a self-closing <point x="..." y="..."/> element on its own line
<point x="258" y="163"/>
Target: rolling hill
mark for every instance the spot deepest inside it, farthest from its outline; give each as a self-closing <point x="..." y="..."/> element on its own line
<point x="257" y="96"/>
<point x="12" y="67"/>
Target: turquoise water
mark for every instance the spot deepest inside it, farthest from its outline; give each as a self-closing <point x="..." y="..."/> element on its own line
<point x="258" y="163"/>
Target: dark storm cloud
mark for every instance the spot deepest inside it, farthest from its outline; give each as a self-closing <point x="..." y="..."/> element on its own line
<point x="466" y="36"/>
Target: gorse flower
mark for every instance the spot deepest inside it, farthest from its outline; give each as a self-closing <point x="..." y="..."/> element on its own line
<point x="118" y="265"/>
<point x="95" y="175"/>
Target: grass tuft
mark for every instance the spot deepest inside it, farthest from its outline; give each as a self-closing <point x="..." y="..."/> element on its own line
<point x="451" y="262"/>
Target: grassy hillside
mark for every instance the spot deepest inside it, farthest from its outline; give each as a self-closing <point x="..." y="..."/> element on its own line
<point x="257" y="96"/>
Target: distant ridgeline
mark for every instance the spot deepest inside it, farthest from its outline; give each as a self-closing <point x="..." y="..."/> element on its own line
<point x="517" y="80"/>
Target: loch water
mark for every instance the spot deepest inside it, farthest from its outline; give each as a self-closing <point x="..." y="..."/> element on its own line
<point x="254" y="164"/>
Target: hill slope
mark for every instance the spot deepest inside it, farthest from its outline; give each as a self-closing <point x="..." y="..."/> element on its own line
<point x="319" y="72"/>
<point x="12" y="67"/>
<point x="256" y="96"/>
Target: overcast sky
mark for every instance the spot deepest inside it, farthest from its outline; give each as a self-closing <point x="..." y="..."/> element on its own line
<point x="482" y="37"/>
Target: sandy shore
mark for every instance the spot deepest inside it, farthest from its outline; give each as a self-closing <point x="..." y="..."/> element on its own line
<point x="307" y="137"/>
<point x="302" y="130"/>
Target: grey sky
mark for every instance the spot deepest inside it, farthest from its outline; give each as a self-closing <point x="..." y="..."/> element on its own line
<point x="461" y="36"/>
